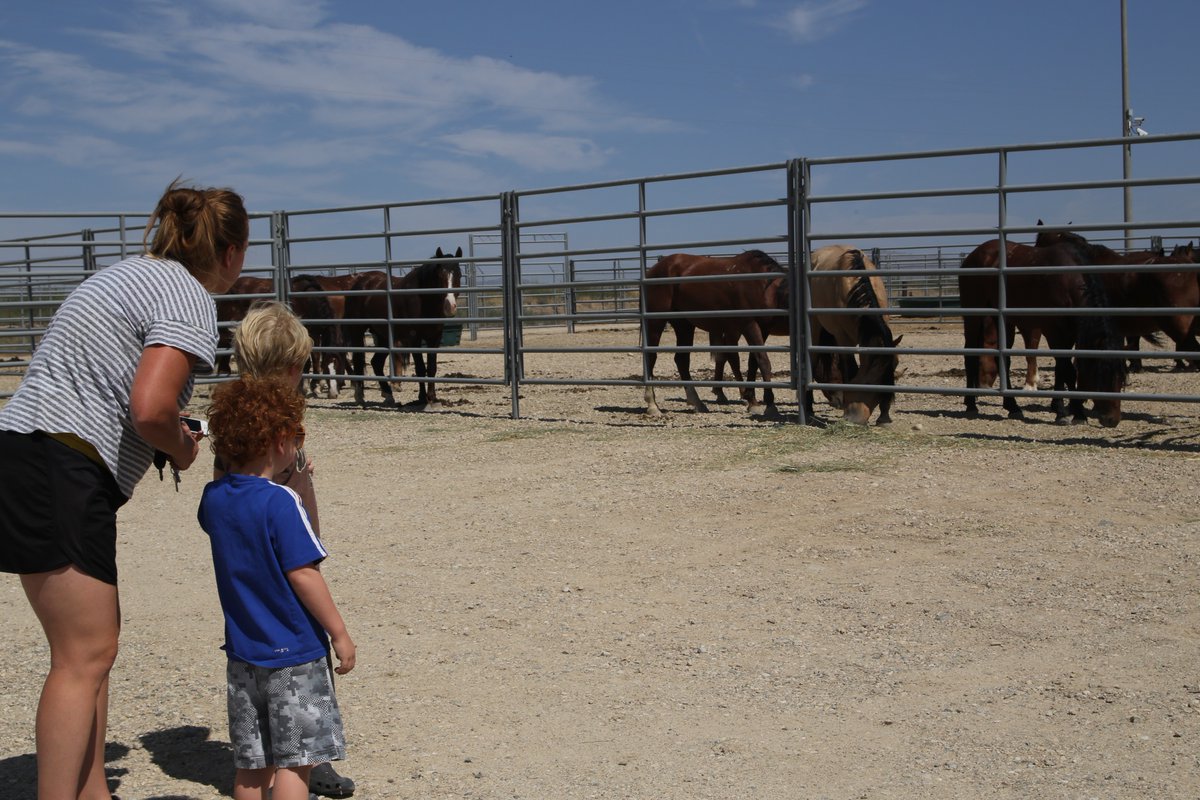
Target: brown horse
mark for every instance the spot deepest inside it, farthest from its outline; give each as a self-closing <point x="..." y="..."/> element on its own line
<point x="864" y="291"/>
<point x="421" y="301"/>
<point x="313" y="310"/>
<point x="1164" y="290"/>
<point x="700" y="303"/>
<point x="232" y="308"/>
<point x="333" y="362"/>
<point x="1025" y="289"/>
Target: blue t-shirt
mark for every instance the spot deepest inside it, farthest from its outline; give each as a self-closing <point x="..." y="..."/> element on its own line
<point x="259" y="531"/>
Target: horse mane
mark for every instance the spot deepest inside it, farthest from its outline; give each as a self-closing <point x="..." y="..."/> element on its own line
<point x="420" y="273"/>
<point x="871" y="327"/>
<point x="759" y="259"/>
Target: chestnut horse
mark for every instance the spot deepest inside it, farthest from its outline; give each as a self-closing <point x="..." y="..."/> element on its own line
<point x="427" y="296"/>
<point x="1064" y="332"/>
<point x="699" y="301"/>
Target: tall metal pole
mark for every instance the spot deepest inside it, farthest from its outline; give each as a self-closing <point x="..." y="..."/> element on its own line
<point x="1126" y="126"/>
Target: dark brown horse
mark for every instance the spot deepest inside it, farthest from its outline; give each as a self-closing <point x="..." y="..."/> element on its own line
<point x="1025" y="289"/>
<point x="313" y="310"/>
<point x="1166" y="290"/>
<point x="420" y="302"/>
<point x="329" y="356"/>
<point x="701" y="303"/>
<point x="232" y="308"/>
<point x="331" y="361"/>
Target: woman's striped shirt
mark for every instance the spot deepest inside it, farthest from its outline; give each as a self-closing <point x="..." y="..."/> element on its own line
<point x="81" y="375"/>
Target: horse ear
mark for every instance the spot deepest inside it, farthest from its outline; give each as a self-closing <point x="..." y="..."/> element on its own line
<point x="458" y="253"/>
<point x="1039" y="221"/>
<point x="438" y="254"/>
<point x="896" y="341"/>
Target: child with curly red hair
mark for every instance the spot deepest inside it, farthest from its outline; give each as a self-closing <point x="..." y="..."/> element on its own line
<point x="279" y="613"/>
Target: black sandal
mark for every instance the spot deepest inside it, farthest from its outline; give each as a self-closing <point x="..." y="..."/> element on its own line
<point x="324" y="780"/>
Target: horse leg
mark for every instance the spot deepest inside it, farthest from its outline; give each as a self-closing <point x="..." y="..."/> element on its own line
<point x="654" y="331"/>
<point x="358" y="367"/>
<point x="1134" y="345"/>
<point x="377" y="360"/>
<point x="973" y="335"/>
<point x="754" y="337"/>
<point x="720" y="358"/>
<point x="1002" y="368"/>
<point x="431" y="364"/>
<point x="685" y="335"/>
<point x="1033" y="338"/>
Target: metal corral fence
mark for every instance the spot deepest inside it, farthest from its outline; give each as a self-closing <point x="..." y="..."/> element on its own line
<point x="576" y="255"/>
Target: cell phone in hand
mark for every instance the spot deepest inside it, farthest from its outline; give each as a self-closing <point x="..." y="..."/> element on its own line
<point x="196" y="425"/>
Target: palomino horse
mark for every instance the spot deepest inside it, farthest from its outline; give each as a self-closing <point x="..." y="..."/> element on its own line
<point x="699" y="301"/>
<point x="1166" y="290"/>
<point x="426" y="296"/>
<point x="864" y="291"/>
<point x="866" y="330"/>
<point x="1025" y="289"/>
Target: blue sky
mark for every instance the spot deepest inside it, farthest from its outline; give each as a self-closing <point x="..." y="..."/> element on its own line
<point x="306" y="104"/>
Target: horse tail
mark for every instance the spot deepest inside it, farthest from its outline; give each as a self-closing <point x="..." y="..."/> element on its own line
<point x="1098" y="332"/>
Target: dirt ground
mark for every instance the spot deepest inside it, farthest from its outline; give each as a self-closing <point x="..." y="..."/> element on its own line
<point x="587" y="603"/>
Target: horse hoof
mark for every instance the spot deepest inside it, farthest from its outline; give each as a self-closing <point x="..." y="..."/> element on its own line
<point x="1016" y="414"/>
<point x="1065" y="420"/>
<point x="653" y="411"/>
<point x="756" y="410"/>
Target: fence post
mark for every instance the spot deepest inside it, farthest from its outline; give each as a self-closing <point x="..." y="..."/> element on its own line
<point x="510" y="275"/>
<point x="279" y="254"/>
<point x="89" y="250"/>
<point x="797" y="180"/>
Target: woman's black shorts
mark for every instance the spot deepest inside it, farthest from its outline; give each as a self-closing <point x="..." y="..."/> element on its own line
<point x="57" y="507"/>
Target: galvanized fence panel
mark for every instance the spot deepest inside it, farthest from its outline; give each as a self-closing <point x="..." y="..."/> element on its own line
<point x="575" y="256"/>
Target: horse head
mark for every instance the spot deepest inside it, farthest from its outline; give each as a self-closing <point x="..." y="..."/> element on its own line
<point x="877" y="370"/>
<point x="1185" y="252"/>
<point x="449" y="277"/>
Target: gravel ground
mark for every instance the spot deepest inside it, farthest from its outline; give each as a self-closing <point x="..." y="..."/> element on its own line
<point x="588" y="603"/>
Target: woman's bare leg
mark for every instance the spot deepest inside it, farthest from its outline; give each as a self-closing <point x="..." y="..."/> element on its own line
<point x="81" y="617"/>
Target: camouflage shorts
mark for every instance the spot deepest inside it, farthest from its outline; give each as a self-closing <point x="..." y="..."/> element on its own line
<point x="283" y="716"/>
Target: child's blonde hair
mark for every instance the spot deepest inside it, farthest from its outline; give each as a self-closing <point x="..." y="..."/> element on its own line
<point x="270" y="340"/>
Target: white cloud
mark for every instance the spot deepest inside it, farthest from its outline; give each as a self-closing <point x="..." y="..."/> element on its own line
<point x="803" y="81"/>
<point x="816" y="19"/>
<point x="533" y="151"/>
<point x="220" y="88"/>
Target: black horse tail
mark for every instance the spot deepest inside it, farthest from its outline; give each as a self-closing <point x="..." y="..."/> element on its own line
<point x="1098" y="332"/>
